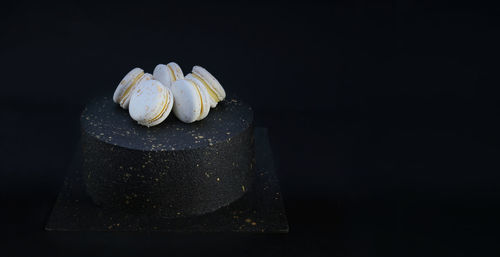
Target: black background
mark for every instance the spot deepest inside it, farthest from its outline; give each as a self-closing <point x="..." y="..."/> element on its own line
<point x="383" y="118"/>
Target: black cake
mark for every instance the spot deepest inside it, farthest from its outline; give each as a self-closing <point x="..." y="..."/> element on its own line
<point x="173" y="169"/>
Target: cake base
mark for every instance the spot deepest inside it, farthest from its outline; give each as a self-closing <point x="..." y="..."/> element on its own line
<point x="175" y="169"/>
<point x="260" y="210"/>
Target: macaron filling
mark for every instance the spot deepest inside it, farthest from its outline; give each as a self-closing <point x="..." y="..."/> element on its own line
<point x="209" y="89"/>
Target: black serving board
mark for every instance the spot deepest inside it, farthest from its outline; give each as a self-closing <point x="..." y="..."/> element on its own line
<point x="260" y="210"/>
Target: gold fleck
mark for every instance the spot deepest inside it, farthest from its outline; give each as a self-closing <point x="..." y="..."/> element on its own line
<point x="247" y="220"/>
<point x="253" y="223"/>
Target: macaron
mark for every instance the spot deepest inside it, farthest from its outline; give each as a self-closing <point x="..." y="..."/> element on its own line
<point x="127" y="85"/>
<point x="167" y="74"/>
<point x="151" y="103"/>
<point x="214" y="88"/>
<point x="191" y="100"/>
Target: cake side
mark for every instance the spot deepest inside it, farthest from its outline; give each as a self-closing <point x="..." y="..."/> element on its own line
<point x="172" y="170"/>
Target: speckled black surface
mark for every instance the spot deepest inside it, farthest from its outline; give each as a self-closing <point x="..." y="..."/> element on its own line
<point x="261" y="210"/>
<point x="173" y="169"/>
<point x="107" y="122"/>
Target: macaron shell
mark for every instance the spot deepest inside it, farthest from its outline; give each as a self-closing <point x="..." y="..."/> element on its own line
<point x="212" y="102"/>
<point x="205" y="97"/>
<point x="187" y="104"/>
<point x="211" y="81"/>
<point x="176" y="70"/>
<point x="147" y="101"/>
<point x="125" y="83"/>
<point x="163" y="74"/>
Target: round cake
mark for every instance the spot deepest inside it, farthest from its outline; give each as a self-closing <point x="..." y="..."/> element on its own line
<point x="174" y="169"/>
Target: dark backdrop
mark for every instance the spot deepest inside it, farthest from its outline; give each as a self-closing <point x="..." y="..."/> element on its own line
<point x="382" y="118"/>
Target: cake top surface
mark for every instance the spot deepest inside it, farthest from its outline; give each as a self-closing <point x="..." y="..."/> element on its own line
<point x="107" y="122"/>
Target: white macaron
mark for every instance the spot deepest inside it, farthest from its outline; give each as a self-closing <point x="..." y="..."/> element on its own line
<point x="127" y="85"/>
<point x="214" y="88"/>
<point x="191" y="100"/>
<point x="167" y="74"/>
<point x="151" y="103"/>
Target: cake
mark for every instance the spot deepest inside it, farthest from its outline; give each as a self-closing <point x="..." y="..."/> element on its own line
<point x="174" y="169"/>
